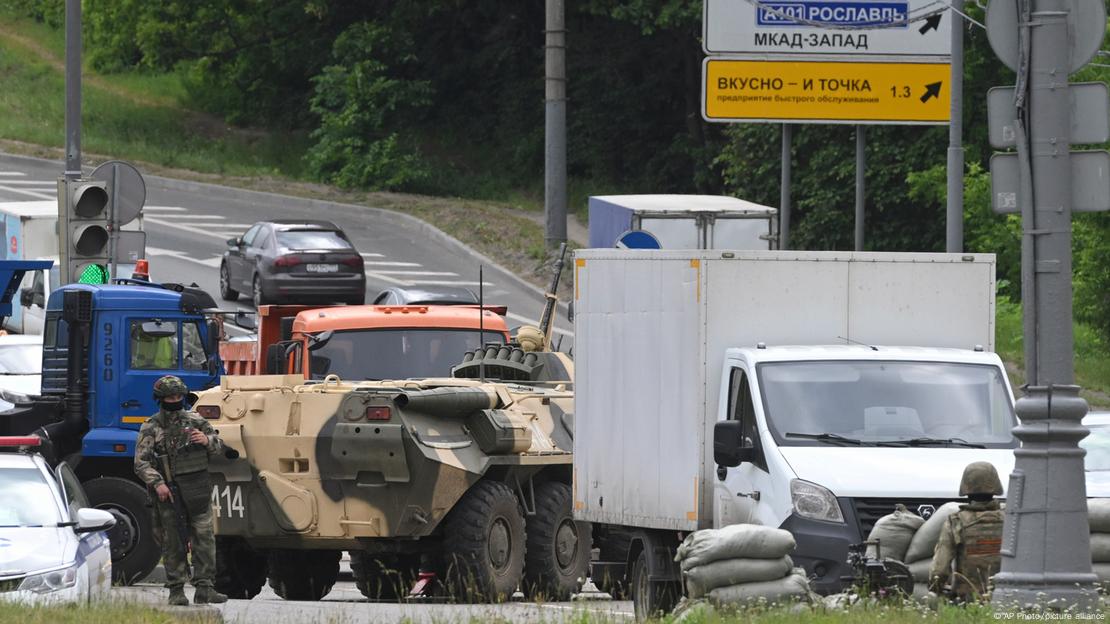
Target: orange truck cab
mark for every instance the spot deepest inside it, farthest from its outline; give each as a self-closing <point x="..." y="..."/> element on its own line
<point x="364" y="342"/>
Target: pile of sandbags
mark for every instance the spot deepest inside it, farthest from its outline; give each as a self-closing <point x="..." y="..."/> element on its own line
<point x="1098" y="515"/>
<point x="894" y="532"/>
<point x="919" y="555"/>
<point x="741" y="564"/>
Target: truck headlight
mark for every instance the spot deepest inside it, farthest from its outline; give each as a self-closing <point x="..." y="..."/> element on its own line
<point x="46" y="582"/>
<point x="814" y="502"/>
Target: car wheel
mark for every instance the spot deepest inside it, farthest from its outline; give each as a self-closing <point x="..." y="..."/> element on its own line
<point x="259" y="297"/>
<point x="227" y="293"/>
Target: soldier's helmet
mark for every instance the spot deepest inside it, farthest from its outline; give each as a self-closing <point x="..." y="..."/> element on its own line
<point x="980" y="478"/>
<point x="169" y="386"/>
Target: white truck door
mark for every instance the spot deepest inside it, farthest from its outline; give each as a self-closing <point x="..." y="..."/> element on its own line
<point x="736" y="492"/>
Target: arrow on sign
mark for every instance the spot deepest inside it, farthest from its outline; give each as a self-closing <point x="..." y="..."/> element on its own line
<point x="931" y="23"/>
<point x="931" y="91"/>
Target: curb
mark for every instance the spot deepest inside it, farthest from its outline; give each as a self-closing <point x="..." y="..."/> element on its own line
<point x="291" y="201"/>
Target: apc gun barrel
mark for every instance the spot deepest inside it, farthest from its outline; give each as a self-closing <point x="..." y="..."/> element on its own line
<point x="448" y="401"/>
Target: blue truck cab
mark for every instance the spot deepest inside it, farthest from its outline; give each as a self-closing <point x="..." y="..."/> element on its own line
<point x="95" y="397"/>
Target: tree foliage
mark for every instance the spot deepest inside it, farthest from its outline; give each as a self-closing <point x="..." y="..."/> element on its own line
<point x="447" y="96"/>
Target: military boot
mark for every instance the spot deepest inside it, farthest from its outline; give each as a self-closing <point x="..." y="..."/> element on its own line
<point x="208" y="595"/>
<point x="177" y="597"/>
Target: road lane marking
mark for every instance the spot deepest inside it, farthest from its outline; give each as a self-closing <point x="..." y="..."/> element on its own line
<point x="180" y="255"/>
<point x="16" y="174"/>
<point x="447" y="283"/>
<point x="186" y="228"/>
<point x="163" y="209"/>
<point x="419" y="273"/>
<point x="527" y="321"/>
<point x="29" y="193"/>
<point x="371" y="255"/>
<point x="393" y="264"/>
<point x="42" y="183"/>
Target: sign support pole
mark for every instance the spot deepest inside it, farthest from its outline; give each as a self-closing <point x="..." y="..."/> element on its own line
<point x="73" y="90"/>
<point x="784" y="196"/>
<point x="861" y="166"/>
<point x="954" y="242"/>
<point x="555" y="125"/>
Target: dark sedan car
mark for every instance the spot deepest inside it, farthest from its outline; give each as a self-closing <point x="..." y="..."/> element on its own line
<point x="293" y="262"/>
<point x="443" y="295"/>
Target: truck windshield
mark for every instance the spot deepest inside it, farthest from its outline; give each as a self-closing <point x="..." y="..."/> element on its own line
<point x="395" y="353"/>
<point x="918" y="403"/>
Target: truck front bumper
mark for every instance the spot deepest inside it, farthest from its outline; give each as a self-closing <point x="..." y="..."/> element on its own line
<point x="823" y="547"/>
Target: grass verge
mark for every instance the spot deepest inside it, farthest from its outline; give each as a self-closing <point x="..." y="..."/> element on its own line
<point x="107" y="613"/>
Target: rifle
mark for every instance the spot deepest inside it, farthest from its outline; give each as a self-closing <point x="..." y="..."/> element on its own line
<point x="882" y="578"/>
<point x="178" y="503"/>
<point x="547" y="320"/>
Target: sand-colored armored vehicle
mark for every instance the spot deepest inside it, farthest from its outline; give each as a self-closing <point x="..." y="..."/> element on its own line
<point x="465" y="477"/>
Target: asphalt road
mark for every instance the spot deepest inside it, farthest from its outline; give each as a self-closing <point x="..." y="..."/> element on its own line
<point x="188" y="225"/>
<point x="347" y="606"/>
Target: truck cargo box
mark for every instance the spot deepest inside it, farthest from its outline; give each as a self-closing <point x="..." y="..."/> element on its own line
<point x="683" y="221"/>
<point x="652" y="327"/>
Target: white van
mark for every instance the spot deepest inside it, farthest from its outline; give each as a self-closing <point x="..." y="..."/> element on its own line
<point x="811" y="391"/>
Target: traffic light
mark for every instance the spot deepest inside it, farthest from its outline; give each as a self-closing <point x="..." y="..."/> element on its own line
<point x="84" y="225"/>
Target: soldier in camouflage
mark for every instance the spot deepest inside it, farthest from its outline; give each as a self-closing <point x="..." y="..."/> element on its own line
<point x="971" y="538"/>
<point x="187" y="440"/>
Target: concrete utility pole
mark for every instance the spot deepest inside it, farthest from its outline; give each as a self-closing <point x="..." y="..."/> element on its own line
<point x="861" y="197"/>
<point x="1046" y="557"/>
<point x="784" y="194"/>
<point x="555" y="125"/>
<point x="954" y="242"/>
<point x="73" y="90"/>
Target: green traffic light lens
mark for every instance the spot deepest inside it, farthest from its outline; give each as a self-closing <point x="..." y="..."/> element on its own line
<point x="94" y="274"/>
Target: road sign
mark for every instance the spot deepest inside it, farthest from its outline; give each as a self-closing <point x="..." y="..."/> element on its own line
<point x="637" y="239"/>
<point x="816" y="92"/>
<point x="1090" y="114"/>
<point x="1090" y="182"/>
<point x="1086" y="19"/>
<point x="828" y="28"/>
<point x="128" y="192"/>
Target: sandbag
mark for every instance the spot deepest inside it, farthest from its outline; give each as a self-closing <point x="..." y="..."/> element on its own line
<point x="920" y="570"/>
<point x="738" y="541"/>
<point x="926" y="538"/>
<point x="1100" y="547"/>
<point x="1103" y="572"/>
<point x="705" y="578"/>
<point x="1098" y="514"/>
<point x="789" y="588"/>
<point x="894" y="531"/>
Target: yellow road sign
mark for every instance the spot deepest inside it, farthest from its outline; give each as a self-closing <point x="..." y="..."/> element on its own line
<point x="825" y="92"/>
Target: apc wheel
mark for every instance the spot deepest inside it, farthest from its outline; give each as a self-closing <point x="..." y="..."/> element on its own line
<point x="303" y="574"/>
<point x="240" y="570"/>
<point x="259" y="297"/>
<point x="650" y="599"/>
<point x="227" y="293"/>
<point x="134" y="549"/>
<point x="483" y="544"/>
<point x="384" y="576"/>
<point x="557" y="558"/>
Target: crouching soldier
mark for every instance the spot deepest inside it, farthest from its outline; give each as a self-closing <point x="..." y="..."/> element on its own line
<point x="171" y="457"/>
<point x="971" y="538"/>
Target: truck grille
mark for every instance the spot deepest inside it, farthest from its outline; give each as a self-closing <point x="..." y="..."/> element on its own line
<point x="869" y="510"/>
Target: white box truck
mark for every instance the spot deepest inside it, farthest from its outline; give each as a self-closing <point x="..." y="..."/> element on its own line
<point x="683" y="221"/>
<point x="810" y="391"/>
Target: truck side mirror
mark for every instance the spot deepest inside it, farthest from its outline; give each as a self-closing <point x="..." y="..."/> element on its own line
<point x="213" y="346"/>
<point x="730" y="447"/>
<point x="26" y="297"/>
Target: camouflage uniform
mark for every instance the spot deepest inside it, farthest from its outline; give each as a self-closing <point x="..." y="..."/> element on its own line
<point x="972" y="538"/>
<point x="165" y="433"/>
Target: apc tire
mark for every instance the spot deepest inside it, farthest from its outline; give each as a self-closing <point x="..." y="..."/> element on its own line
<point x="650" y="598"/>
<point x="384" y="576"/>
<point x="227" y="293"/>
<point x="135" y="552"/>
<point x="240" y="570"/>
<point x="303" y="574"/>
<point x="483" y="544"/>
<point x="557" y="557"/>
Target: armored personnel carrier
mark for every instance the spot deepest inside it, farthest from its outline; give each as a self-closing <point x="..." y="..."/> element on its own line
<point x="463" y="477"/>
